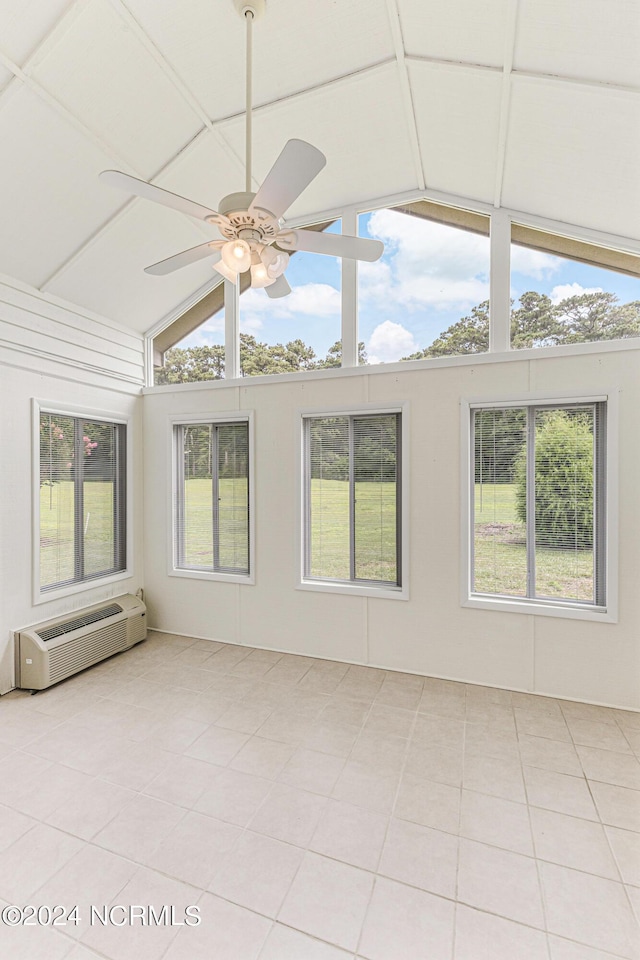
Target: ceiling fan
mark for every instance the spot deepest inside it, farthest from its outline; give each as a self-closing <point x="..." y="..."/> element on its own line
<point x="255" y="237"/>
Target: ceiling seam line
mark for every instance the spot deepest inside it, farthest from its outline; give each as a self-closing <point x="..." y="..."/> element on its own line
<point x="119" y="213"/>
<point x="505" y="101"/>
<point x="406" y="91"/>
<point x="65" y="113"/>
<point x="172" y="75"/>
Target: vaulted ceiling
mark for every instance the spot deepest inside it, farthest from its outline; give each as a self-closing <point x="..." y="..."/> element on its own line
<point x="529" y="104"/>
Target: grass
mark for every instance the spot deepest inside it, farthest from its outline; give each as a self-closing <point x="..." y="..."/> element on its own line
<point x="233" y="525"/>
<point x="500" y="552"/>
<point x="375" y="544"/>
<point x="57" y="531"/>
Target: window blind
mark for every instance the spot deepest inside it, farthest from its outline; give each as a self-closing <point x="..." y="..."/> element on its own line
<point x="212" y="497"/>
<point x="353" y="498"/>
<point x="539" y="502"/>
<point x="82" y="499"/>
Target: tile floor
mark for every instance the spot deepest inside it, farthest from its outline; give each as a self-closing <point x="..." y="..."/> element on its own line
<point x="314" y="811"/>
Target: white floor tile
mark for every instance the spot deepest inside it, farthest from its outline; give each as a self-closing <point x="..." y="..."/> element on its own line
<point x="257" y="873"/>
<point x="501" y="823"/>
<point x="421" y="857"/>
<point x="559" y="792"/>
<point x="32" y="859"/>
<point x="328" y="900"/>
<point x="289" y="814"/>
<point x="349" y="833"/>
<point x="404" y="923"/>
<point x="481" y="936"/>
<point x="572" y="842"/>
<point x="283" y="943"/>
<point x="193" y="850"/>
<point x="500" y="882"/>
<point x="234" y="797"/>
<point x="590" y="910"/>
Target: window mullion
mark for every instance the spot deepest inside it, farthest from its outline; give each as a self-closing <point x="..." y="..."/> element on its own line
<point x="352" y="502"/>
<point x="531" y="502"/>
<point x="78" y="500"/>
<point x="215" y="490"/>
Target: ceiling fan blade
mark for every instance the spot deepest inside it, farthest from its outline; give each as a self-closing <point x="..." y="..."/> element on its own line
<point x="331" y="244"/>
<point x="140" y="188"/>
<point x="279" y="288"/>
<point x="298" y="164"/>
<point x="203" y="250"/>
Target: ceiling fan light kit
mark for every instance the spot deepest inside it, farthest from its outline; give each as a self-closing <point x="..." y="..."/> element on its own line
<point x="251" y="222"/>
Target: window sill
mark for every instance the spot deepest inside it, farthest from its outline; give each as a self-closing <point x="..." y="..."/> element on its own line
<point x="245" y="578"/>
<point x="84" y="585"/>
<point x="355" y="589"/>
<point x="540" y="608"/>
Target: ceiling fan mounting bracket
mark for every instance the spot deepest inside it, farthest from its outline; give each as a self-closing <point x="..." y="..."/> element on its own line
<point x="256" y="7"/>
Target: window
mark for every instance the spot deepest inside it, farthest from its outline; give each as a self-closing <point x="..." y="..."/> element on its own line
<point x="82" y="505"/>
<point x="428" y="295"/>
<point x="538" y="502"/>
<point x="568" y="291"/>
<point x="352" y="499"/>
<point x="212" y="498"/>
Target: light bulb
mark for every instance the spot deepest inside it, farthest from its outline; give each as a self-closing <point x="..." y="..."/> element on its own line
<point x="237" y="255"/>
<point x="260" y="276"/>
<point x="275" y="261"/>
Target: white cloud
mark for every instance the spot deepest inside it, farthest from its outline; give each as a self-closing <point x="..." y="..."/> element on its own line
<point x="534" y="263"/>
<point x="426" y="263"/>
<point x="390" y="341"/>
<point x="309" y="299"/>
<point x="208" y="334"/>
<point x="565" y="290"/>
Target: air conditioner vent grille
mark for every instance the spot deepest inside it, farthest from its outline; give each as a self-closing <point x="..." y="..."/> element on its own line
<point x="85" y="651"/>
<point x="50" y="633"/>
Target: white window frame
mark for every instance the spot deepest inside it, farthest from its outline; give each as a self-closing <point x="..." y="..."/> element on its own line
<point x="176" y="420"/>
<point x="39" y="407"/>
<point x="534" y="606"/>
<point x="386" y="591"/>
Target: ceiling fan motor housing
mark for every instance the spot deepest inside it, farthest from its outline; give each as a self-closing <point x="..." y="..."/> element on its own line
<point x="235" y="207"/>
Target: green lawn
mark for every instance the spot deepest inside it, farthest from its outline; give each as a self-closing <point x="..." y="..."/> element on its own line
<point x="500" y="552"/>
<point x="375" y="546"/>
<point x="233" y="524"/>
<point x="57" y="532"/>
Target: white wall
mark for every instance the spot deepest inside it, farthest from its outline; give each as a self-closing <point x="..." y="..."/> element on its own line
<point x="431" y="633"/>
<point x="55" y="352"/>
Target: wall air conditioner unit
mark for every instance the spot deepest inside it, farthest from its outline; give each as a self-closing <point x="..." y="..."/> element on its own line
<point x="56" y="649"/>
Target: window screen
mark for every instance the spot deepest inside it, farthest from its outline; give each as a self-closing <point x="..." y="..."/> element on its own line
<point x="539" y="502"/>
<point x="82" y="499"/>
<point x="212" y="497"/>
<point x="353" y="498"/>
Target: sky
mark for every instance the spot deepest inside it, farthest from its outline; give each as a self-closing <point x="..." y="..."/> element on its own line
<point x="429" y="276"/>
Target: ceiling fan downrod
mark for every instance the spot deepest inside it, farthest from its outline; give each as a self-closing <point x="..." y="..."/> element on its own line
<point x="249" y="11"/>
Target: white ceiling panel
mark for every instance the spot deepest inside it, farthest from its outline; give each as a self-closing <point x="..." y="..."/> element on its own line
<point x="298" y="44"/>
<point x="458" y="115"/>
<point x="108" y="276"/>
<point x="559" y="166"/>
<point x="205" y="172"/>
<point x="595" y="39"/>
<point x="104" y="75"/>
<point x="25" y="23"/>
<point x="456" y="30"/>
<point x="49" y="193"/>
<point x="367" y="156"/>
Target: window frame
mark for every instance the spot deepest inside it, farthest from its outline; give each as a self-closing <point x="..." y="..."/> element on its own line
<point x="563" y="608"/>
<point x="355" y="588"/>
<point x="219" y="419"/>
<point x="69" y="588"/>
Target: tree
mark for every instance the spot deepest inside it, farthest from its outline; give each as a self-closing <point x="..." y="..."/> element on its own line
<point x="596" y="316"/>
<point x="334" y="356"/>
<point x="468" y="335"/>
<point x="534" y="323"/>
<point x="563" y="480"/>
<point x="187" y="365"/>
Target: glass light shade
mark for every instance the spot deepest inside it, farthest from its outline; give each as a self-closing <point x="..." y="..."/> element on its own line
<point x="222" y="268"/>
<point x="275" y="261"/>
<point x="260" y="276"/>
<point x="237" y="255"/>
